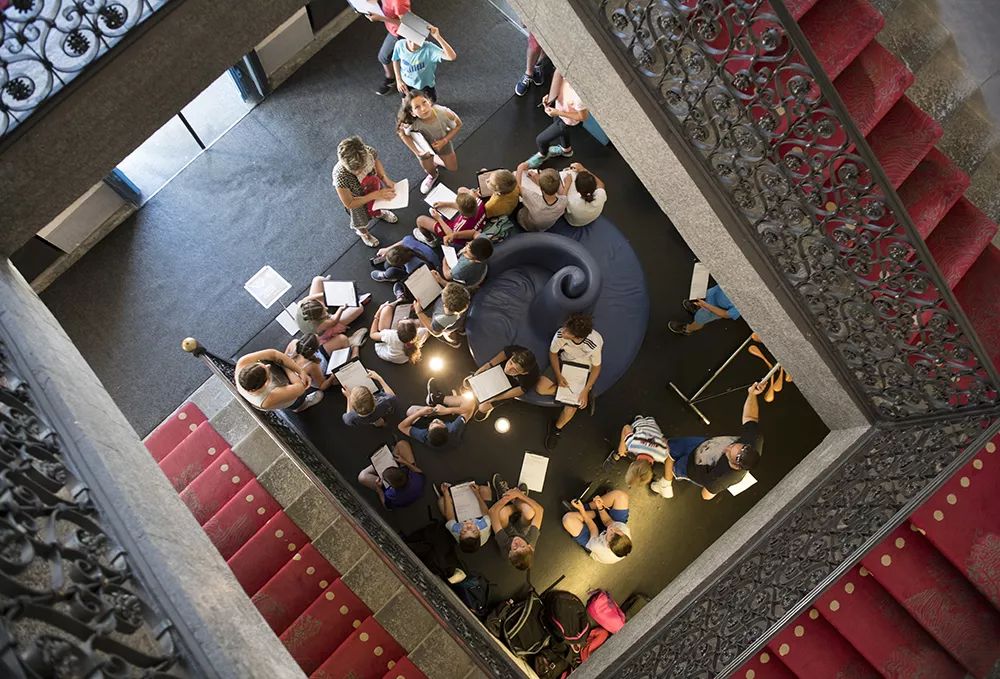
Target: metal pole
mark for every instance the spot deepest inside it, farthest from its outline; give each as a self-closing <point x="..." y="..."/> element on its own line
<point x="191" y="130"/>
<point x="719" y="371"/>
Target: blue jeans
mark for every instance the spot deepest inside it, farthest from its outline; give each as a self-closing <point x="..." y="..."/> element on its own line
<point x="680" y="451"/>
<point x="385" y="52"/>
<point x="715" y="297"/>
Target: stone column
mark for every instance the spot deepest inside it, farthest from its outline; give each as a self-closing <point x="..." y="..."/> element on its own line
<point x="611" y="99"/>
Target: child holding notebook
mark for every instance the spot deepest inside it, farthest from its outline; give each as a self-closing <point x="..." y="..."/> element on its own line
<point x="472" y="532"/>
<point x="398" y="486"/>
<point x="366" y="407"/>
<point x="461" y="228"/>
<point x="427" y="130"/>
<point x="445" y="319"/>
<point x="415" y="66"/>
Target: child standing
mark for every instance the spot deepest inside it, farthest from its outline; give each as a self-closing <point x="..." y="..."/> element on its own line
<point x="427" y="130"/>
<point x="563" y="105"/>
<point x="464" y="226"/>
<point x="544" y="198"/>
<point x="416" y="65"/>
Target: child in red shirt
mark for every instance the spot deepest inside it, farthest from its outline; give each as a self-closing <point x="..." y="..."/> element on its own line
<point x="461" y="228"/>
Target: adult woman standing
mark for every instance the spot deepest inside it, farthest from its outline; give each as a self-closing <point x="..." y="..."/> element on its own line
<point x="360" y="179"/>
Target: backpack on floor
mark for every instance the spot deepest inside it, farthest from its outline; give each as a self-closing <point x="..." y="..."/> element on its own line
<point x="553" y="662"/>
<point x="605" y="611"/>
<point x="498" y="228"/>
<point x="434" y="545"/>
<point x="567" y="617"/>
<point x="597" y="636"/>
<point x="474" y="591"/>
<point x="634" y="604"/>
<point x="520" y="625"/>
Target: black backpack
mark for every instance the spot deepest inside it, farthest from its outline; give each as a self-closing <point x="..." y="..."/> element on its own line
<point x="567" y="617"/>
<point x="553" y="662"/>
<point x="519" y="625"/>
<point x="474" y="591"/>
<point x="434" y="545"/>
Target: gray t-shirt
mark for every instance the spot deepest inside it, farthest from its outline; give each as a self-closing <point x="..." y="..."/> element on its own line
<point x="520" y="529"/>
<point x="306" y="326"/>
<point x="435" y="128"/>
<point x="467" y="272"/>
<point x="441" y="321"/>
<point x="537" y="215"/>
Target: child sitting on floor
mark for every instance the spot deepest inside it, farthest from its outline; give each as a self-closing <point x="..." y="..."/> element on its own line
<point x="406" y="256"/>
<point x="506" y="193"/>
<point x="461" y="228"/>
<point x="470" y="269"/>
<point x="401" y="344"/>
<point x="543" y="196"/>
<point x="364" y="407"/>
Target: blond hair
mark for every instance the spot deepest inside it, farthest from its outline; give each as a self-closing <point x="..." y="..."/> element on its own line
<point x="362" y="401"/>
<point x="639" y="473"/>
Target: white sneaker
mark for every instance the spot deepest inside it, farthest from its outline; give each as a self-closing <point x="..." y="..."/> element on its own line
<point x="662" y="487"/>
<point x="310" y="400"/>
<point x="358" y="337"/>
<point x="428" y="183"/>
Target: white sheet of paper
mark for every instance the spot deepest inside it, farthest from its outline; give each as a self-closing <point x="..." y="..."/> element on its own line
<point x="287" y="321"/>
<point x="747" y="481"/>
<point x="340" y="293"/>
<point x="402" y="312"/>
<point x="577" y="378"/>
<point x="382" y="460"/>
<point x="353" y="374"/>
<point x="423" y="287"/>
<point x="337" y="359"/>
<point x="267" y="286"/>
<point x="465" y="496"/>
<point x="401" y="200"/>
<point x="366" y="7"/>
<point x="442" y="194"/>
<point x="699" y="281"/>
<point x="489" y="383"/>
<point x="450" y="255"/>
<point x="533" y="471"/>
<point x="412" y="27"/>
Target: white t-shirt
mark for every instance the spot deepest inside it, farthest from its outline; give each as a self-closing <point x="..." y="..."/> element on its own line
<point x="587" y="352"/>
<point x="598" y="544"/>
<point x="578" y="211"/>
<point x="391" y="349"/>
<point x="482" y="523"/>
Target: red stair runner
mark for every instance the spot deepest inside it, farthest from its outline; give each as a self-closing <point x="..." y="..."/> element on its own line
<point x="404" y="669"/>
<point x="765" y="666"/>
<point x="324" y="626"/>
<point x="192" y="456"/>
<point x="367" y="654"/>
<point x="931" y="190"/>
<point x="177" y="428"/>
<point x="263" y="555"/>
<point x="216" y="486"/>
<point x="838" y="31"/>
<point x="871" y="85"/>
<point x="978" y="295"/>
<point x="812" y="649"/>
<point x="958" y="241"/>
<point x="241" y="518"/>
<point x="902" y="139"/>
<point x="290" y="592"/>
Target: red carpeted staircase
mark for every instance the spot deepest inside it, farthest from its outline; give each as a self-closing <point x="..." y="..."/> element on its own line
<point x="925" y="603"/>
<point x="872" y="83"/>
<point x="326" y="628"/>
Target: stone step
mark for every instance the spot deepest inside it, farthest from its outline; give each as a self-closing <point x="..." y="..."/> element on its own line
<point x="985" y="189"/>
<point x="913" y="34"/>
<point x="885" y="7"/>
<point x="942" y="84"/>
<point x="969" y="135"/>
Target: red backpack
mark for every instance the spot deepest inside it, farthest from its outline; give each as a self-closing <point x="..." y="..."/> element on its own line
<point x="605" y="611"/>
<point x="597" y="636"/>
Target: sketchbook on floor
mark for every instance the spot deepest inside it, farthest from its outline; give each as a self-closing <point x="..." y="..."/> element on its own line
<point x="287" y="319"/>
<point x="266" y="286"/>
<point x="465" y="497"/>
<point x="423" y="287"/>
<point x="533" y="471"/>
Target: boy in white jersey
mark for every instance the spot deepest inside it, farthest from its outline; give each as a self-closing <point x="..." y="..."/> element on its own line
<point x="575" y="342"/>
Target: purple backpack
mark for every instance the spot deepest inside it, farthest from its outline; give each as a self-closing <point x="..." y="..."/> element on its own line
<point x="603" y="609"/>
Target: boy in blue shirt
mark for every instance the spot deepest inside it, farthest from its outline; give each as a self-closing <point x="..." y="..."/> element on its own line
<point x="416" y="65"/>
<point x="399" y="486"/>
<point x="471" y="534"/>
<point x="716" y="305"/>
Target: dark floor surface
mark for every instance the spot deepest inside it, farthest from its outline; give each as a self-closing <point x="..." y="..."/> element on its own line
<point x="668" y="534"/>
<point x="261" y="195"/>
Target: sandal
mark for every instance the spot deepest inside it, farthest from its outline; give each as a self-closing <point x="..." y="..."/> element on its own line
<point x="369" y="240"/>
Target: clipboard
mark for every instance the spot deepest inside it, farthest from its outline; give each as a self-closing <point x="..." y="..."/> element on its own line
<point x="382" y="459"/>
<point x="423" y="287"/>
<point x="489" y="383"/>
<point x="353" y="374"/>
<point x="401" y="313"/>
<point x="450" y="255"/>
<point x="442" y="194"/>
<point x="533" y="469"/>
<point x="699" y="281"/>
<point x="484" y="190"/>
<point x="413" y="28"/>
<point x="337" y="359"/>
<point x="340" y="293"/>
<point x="465" y="499"/>
<point x="576" y="374"/>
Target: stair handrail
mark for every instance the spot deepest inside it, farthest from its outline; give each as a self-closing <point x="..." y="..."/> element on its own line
<point x="727" y="127"/>
<point x="430" y="590"/>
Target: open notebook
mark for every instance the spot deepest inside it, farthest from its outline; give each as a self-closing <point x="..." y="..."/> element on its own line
<point x="423" y="287"/>
<point x="382" y="459"/>
<point x="465" y="497"/>
<point x="489" y="383"/>
<point x="413" y="28"/>
<point x="353" y="374"/>
<point x="576" y="375"/>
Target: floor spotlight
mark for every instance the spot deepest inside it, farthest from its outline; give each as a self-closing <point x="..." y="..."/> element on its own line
<point x="502" y="425"/>
<point x="437" y="363"/>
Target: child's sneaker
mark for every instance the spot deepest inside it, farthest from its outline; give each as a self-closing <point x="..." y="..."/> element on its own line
<point x="678" y="328"/>
<point x="428" y="183"/>
<point x="560" y="151"/>
<point x="535" y="161"/>
<point x="387" y="216"/>
<point x="662" y="487"/>
<point x="521" y="88"/>
<point x="538" y="74"/>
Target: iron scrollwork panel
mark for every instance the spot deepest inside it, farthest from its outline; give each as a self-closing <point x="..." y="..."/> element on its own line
<point x="430" y="588"/>
<point x="44" y="44"/>
<point x="741" y="96"/>
<point x="69" y="603"/>
<point x="802" y="552"/>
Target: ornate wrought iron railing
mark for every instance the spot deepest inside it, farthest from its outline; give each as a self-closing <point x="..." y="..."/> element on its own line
<point x="47" y="43"/>
<point x="70" y="604"/>
<point x="740" y="89"/>
<point x="431" y="590"/>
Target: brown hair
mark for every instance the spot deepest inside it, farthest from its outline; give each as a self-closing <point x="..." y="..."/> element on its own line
<point x="639" y="473"/>
<point x="469" y="543"/>
<point x="398" y="255"/>
<point x="456" y="298"/>
<point x="353" y="153"/>
<point x="397" y="477"/>
<point x="405" y="116"/>
<point x="620" y="544"/>
<point x="253" y="377"/>
<point x="307" y="346"/>
<point x="503" y="181"/>
<point x="522" y="560"/>
<point x="467" y="204"/>
<point x="406" y="331"/>
<point x="312" y="309"/>
<point x="580" y="325"/>
<point x="548" y="181"/>
<point x="362" y="401"/>
<point x="481" y="248"/>
<point x="586" y="184"/>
